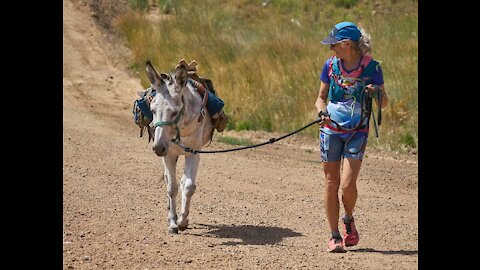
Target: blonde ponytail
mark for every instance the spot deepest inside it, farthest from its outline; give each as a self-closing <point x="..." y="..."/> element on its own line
<point x="364" y="43"/>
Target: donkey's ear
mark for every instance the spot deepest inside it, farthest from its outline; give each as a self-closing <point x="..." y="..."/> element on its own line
<point x="181" y="76"/>
<point x="151" y="73"/>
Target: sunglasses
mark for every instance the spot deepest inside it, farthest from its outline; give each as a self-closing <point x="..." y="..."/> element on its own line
<point x="341" y="41"/>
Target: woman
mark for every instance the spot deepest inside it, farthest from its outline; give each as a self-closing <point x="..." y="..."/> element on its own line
<point x="347" y="76"/>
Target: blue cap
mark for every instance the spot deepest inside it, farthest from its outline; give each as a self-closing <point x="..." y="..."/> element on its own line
<point x="341" y="31"/>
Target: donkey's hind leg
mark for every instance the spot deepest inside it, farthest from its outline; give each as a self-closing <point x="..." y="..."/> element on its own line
<point x="188" y="188"/>
<point x="170" y="165"/>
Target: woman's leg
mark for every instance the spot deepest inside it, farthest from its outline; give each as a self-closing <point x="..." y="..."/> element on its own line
<point x="351" y="169"/>
<point x="330" y="194"/>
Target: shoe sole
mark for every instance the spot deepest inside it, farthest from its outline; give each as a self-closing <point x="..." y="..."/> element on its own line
<point x="349" y="245"/>
<point x="337" y="250"/>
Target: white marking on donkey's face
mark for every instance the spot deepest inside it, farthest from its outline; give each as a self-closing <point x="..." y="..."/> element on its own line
<point x="163" y="111"/>
<point x="166" y="105"/>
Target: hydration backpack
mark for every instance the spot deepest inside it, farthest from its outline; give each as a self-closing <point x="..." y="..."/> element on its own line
<point x="367" y="67"/>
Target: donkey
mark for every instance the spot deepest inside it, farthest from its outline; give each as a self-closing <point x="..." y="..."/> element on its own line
<point x="179" y="114"/>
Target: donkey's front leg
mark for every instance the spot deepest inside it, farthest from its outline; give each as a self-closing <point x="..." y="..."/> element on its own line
<point x="188" y="188"/>
<point x="170" y="167"/>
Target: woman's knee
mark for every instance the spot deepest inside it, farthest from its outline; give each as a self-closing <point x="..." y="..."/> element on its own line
<point x="332" y="182"/>
<point x="349" y="187"/>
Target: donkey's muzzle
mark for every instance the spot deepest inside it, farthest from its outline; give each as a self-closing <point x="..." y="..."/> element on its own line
<point x="160" y="149"/>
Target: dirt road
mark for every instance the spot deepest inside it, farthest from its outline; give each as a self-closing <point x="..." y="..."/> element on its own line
<point x="255" y="209"/>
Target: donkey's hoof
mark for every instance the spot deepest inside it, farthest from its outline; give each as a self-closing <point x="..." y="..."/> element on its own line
<point x="182" y="224"/>
<point x="173" y="230"/>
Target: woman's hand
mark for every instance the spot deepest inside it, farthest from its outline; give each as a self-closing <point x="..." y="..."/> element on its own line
<point x="324" y="117"/>
<point x="372" y="90"/>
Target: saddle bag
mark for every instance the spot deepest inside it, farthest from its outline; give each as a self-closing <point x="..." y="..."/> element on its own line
<point x="144" y="108"/>
<point x="142" y="116"/>
<point x="214" y="104"/>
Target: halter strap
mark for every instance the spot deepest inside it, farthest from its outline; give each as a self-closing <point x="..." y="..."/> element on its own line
<point x="172" y="123"/>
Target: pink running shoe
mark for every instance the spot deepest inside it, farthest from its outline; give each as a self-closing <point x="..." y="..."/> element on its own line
<point x="335" y="245"/>
<point x="351" y="234"/>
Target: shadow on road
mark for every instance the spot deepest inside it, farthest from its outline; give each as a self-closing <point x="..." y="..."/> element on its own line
<point x="387" y="252"/>
<point x="248" y="234"/>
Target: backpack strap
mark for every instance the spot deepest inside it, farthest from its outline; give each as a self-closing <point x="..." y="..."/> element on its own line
<point x="367" y="67"/>
<point x="335" y="92"/>
<point x="368" y="71"/>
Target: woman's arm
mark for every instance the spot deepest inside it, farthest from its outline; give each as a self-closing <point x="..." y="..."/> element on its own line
<point x="321" y="102"/>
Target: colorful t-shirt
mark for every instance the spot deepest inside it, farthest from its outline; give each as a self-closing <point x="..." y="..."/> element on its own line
<point x="347" y="111"/>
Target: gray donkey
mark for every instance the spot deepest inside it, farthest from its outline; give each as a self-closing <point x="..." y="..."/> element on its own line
<point x="179" y="114"/>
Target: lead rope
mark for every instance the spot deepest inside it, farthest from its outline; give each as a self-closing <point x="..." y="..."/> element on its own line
<point x="379" y="111"/>
<point x="272" y="140"/>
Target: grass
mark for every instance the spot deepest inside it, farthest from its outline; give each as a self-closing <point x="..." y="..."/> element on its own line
<point x="265" y="62"/>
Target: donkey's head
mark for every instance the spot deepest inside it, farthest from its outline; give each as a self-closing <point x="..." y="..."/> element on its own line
<point x="167" y="106"/>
